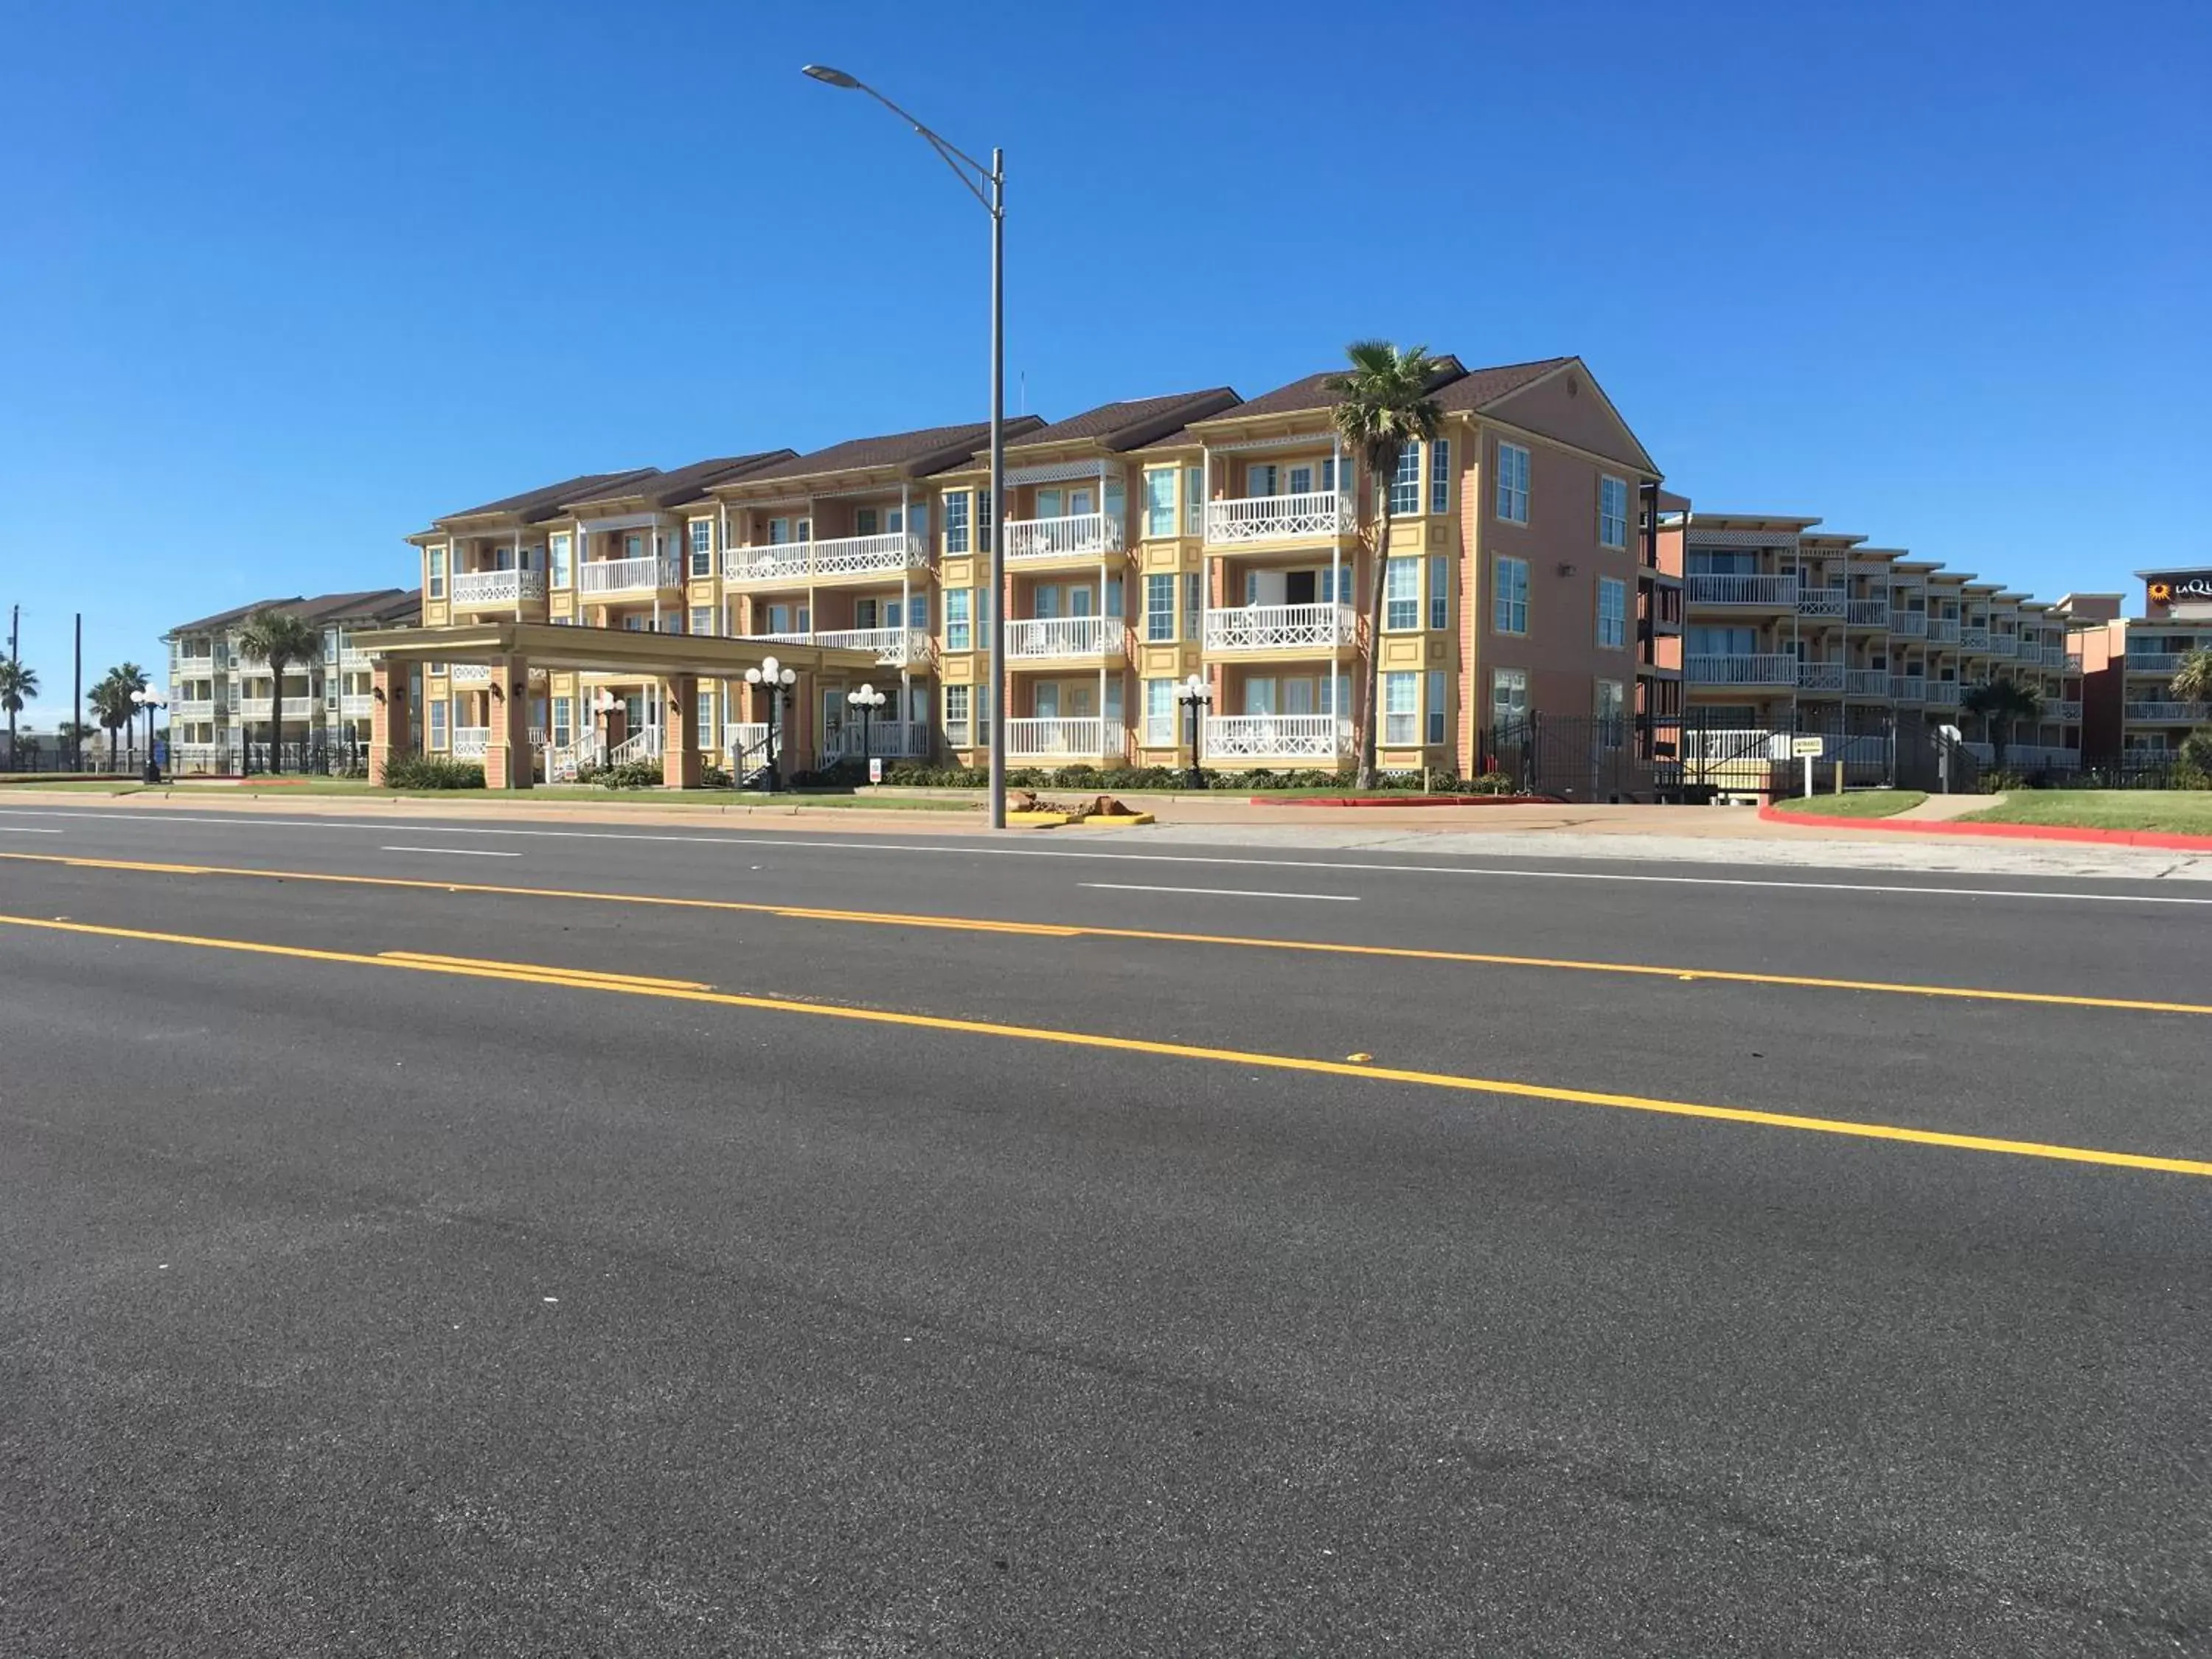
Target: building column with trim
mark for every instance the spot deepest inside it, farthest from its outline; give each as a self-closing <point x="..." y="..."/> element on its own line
<point x="681" y="761"/>
<point x="508" y="764"/>
<point x="391" y="724"/>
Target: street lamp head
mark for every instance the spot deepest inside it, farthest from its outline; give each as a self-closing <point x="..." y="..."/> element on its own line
<point x="770" y="666"/>
<point x="789" y="677"/>
<point x="867" y="692"/>
<point x="828" y="76"/>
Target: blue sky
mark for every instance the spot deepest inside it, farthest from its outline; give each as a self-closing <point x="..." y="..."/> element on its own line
<point x="281" y="281"/>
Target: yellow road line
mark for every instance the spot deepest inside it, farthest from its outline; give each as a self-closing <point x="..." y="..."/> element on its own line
<point x="586" y="973"/>
<point x="470" y="967"/>
<point x="1054" y="930"/>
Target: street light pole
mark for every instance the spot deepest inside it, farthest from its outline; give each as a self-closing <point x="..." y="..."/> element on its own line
<point x="1195" y="694"/>
<point x="149" y="701"/>
<point x="778" y="680"/>
<point x="866" y="700"/>
<point x="974" y="176"/>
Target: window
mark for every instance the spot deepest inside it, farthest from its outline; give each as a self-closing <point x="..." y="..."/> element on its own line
<point x="1440" y="476"/>
<point x="1611" y="702"/>
<point x="1193" y="501"/>
<point x="562" y="724"/>
<point x="1434" y="707"/>
<point x="1512" y="484"/>
<point x="1159" y="608"/>
<point x="1439" y="592"/>
<point x="955" y="521"/>
<point x="982" y="521"/>
<point x="1159" y="711"/>
<point x="1406" y="484"/>
<point x="562" y="561"/>
<point x="1509" y="696"/>
<point x="958" y="636"/>
<point x="438" y="723"/>
<point x="702" y="619"/>
<point x="1160" y="502"/>
<point x="1259" y="478"/>
<point x="1509" y="602"/>
<point x="702" y="547"/>
<point x="956" y="716"/>
<point x="433" y="587"/>
<point x="1611" y="612"/>
<point x="867" y="521"/>
<point x="1612" y="511"/>
<point x="917" y="612"/>
<point x="779" y="531"/>
<point x="1401" y="595"/>
<point x="1401" y="696"/>
<point x="1190" y="598"/>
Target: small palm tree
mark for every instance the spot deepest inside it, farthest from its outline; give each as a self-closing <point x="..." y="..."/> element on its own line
<point x="1383" y="406"/>
<point x="110" y="701"/>
<point x="18" y="685"/>
<point x="280" y="639"/>
<point x="2000" y="702"/>
<point x="2192" y="681"/>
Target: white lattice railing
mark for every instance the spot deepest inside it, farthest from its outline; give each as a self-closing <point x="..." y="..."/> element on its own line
<point x="469" y="742"/>
<point x="601" y="576"/>
<point x="1820" y="676"/>
<point x="1866" y="681"/>
<point x="468" y="673"/>
<point x="1277" y="737"/>
<point x="1077" y="536"/>
<point x="1277" y="518"/>
<point x="1742" y="589"/>
<point x="1067" y="636"/>
<point x="895" y="647"/>
<point x="1281" y="627"/>
<point x="1748" y="668"/>
<point x="497" y="586"/>
<point x="642" y="744"/>
<point x="1973" y="637"/>
<point x="1821" y="603"/>
<point x="886" y="740"/>
<point x="886" y="554"/>
<point x="1076" y="737"/>
<point x="2062" y="709"/>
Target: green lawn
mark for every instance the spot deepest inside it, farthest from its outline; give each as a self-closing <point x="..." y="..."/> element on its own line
<point x="2178" y="811"/>
<point x="1858" y="803"/>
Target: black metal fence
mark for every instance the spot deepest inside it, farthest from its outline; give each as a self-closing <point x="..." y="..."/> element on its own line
<point x="1588" y="758"/>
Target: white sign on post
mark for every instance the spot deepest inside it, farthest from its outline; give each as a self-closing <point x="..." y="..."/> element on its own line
<point x="1809" y="750"/>
<point x="875" y="768"/>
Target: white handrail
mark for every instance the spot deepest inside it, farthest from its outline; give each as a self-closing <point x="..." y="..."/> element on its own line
<point x="1066" y="636"/>
<point x="1281" y="627"/>
<point x="1078" y="737"/>
<point x="1272" y="517"/>
<point x="497" y="586"/>
<point x="1748" y="668"/>
<point x="1277" y="737"/>
<point x="889" y="552"/>
<point x="1078" y="535"/>
<point x="627" y="575"/>
<point x="1742" y="589"/>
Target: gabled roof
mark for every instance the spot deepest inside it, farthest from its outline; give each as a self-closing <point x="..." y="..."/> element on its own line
<point x="1313" y="392"/>
<point x="1136" y="423"/>
<point x="545" y="501"/>
<point x="237" y="613"/>
<point x="913" y="455"/>
<point x="686" y="483"/>
<point x="1481" y="387"/>
<point x="364" y="605"/>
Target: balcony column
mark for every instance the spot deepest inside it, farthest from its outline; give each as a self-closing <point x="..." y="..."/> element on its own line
<point x="681" y="759"/>
<point x="507" y="762"/>
<point x="518" y="575"/>
<point x="391" y="728"/>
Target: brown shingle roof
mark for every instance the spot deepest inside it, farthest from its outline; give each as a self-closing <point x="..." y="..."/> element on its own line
<point x="685" y="483"/>
<point x="375" y="604"/>
<point x="917" y="454"/>
<point x="1135" y="423"/>
<point x="1313" y="392"/>
<point x="1481" y="386"/>
<point x="545" y="501"/>
<point x="236" y="613"/>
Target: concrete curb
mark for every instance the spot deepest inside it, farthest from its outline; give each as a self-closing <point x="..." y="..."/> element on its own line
<point x="1406" y="801"/>
<point x="2154" y="838"/>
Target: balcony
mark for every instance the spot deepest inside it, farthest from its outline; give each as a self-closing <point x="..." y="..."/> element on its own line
<point x="1059" y="638"/>
<point x="192" y="709"/>
<point x="599" y="578"/>
<point x="1316" y="514"/>
<point x="476" y="588"/>
<point x="2063" y="709"/>
<point x="1821" y="603"/>
<point x="2154" y="662"/>
<point x="1909" y="625"/>
<point x="1942" y="630"/>
<point x="841" y="557"/>
<point x="1820" y="676"/>
<point x="1753" y="592"/>
<point x="356" y="705"/>
<point x="1869" y="613"/>
<point x="1079" y="536"/>
<point x="201" y="667"/>
<point x="1749" y="668"/>
<point x="469" y="742"/>
<point x="1908" y="688"/>
<point x="895" y="647"/>
<point x="468" y="673"/>
<point x="1308" y="737"/>
<point x="2165" y="713"/>
<point x="2033" y="756"/>
<point x="1281" y="627"/>
<point x="1943" y="694"/>
<point x="886" y="740"/>
<point x="261" y="708"/>
<point x="1973" y="637"/>
<point x="2070" y="662"/>
<point x="1866" y="681"/>
<point x="1053" y="739"/>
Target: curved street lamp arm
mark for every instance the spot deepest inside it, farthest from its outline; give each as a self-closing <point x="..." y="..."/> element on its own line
<point x="948" y="152"/>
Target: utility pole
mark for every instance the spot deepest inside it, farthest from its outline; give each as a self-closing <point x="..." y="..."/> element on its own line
<point x="77" y="702"/>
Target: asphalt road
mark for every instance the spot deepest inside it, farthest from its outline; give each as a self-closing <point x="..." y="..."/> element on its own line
<point x="818" y="1283"/>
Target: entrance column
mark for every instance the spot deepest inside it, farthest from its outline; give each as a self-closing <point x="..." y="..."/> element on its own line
<point x="680" y="760"/>
<point x="507" y="762"/>
<point x="390" y="724"/>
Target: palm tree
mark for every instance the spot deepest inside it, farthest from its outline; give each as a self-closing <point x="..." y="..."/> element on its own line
<point x="110" y="701"/>
<point x="279" y="639"/>
<point x="1383" y="406"/>
<point x="2000" y="702"/>
<point x="18" y="685"/>
<point x="2192" y="681"/>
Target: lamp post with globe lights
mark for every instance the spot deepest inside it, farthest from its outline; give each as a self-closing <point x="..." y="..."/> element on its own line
<point x="779" y="680"/>
<point x="866" y="702"/>
<point x="1195" y="694"/>
<point x="149" y="701"/>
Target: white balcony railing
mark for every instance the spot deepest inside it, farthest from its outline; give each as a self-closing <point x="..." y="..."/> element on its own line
<point x="1973" y="637"/>
<point x="1943" y="693"/>
<point x="356" y="705"/>
<point x="2063" y="709"/>
<point x="1823" y="602"/>
<point x="2165" y="711"/>
<point x="885" y="554"/>
<point x="500" y="587"/>
<point x="2031" y="757"/>
<point x="1913" y="624"/>
<point x="1942" y="630"/>
<point x="1079" y="535"/>
<point x="1076" y="737"/>
<point x="743" y="738"/>
<point x="1316" y="512"/>
<point x="1866" y="681"/>
<point x="596" y="577"/>
<point x="191" y="667"/>
<point x="192" y="709"/>
<point x="1908" y="688"/>
<point x="1067" y="636"/>
<point x="895" y="647"/>
<point x="886" y="740"/>
<point x="1820" y="676"/>
<point x="261" y="708"/>
<point x="2154" y="662"/>
<point x="469" y="742"/>
<point x="1747" y="668"/>
<point x="1765" y="591"/>
<point x="1868" y="613"/>
<point x="468" y="673"/>
<point x="1277" y="737"/>
<point x="1281" y="627"/>
<point x="2070" y="662"/>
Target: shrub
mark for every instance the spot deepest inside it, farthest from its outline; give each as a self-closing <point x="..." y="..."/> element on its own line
<point x="2196" y="760"/>
<point x="2000" y="780"/>
<point x="432" y="772"/>
<point x="630" y="775"/>
<point x="714" y="777"/>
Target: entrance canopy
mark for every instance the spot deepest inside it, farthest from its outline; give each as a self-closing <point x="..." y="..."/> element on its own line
<point x="603" y="650"/>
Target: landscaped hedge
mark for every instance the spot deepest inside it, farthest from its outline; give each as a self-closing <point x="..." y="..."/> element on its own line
<point x="1107" y="780"/>
<point x="432" y="772"/>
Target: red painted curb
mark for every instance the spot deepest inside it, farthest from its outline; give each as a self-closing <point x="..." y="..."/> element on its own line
<point x="2157" y="838"/>
<point x="1408" y="800"/>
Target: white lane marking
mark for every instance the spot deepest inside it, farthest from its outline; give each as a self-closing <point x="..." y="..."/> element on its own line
<point x="24" y="830"/>
<point x="455" y="852"/>
<point x="865" y="844"/>
<point x="1219" y="892"/>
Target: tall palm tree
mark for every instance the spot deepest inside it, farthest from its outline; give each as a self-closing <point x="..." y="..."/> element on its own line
<point x="110" y="701"/>
<point x="1383" y="406"/>
<point x="280" y="639"/>
<point x="18" y="685"/>
<point x="2192" y="681"/>
<point x="2000" y="702"/>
